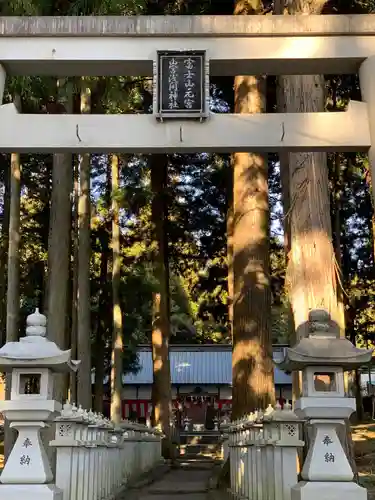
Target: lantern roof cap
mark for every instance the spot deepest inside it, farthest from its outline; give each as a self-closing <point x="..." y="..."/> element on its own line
<point x="322" y="345"/>
<point x="34" y="350"/>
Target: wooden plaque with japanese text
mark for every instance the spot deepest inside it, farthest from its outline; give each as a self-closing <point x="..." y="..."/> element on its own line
<point x="181" y="84"/>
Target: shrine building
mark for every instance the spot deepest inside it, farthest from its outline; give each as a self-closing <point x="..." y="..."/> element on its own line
<point x="201" y="378"/>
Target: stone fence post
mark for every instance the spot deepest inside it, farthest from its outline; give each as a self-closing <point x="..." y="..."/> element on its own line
<point x="263" y="454"/>
<point x="96" y="460"/>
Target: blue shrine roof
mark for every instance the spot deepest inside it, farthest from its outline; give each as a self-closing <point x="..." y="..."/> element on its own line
<point x="196" y="365"/>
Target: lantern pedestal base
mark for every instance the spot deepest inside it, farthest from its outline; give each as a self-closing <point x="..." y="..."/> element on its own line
<point x="30" y="492"/>
<point x="328" y="491"/>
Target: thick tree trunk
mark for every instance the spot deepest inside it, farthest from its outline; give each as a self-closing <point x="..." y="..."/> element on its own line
<point x="6" y="164"/>
<point x="253" y="384"/>
<point x="285" y="191"/>
<point x="337" y="240"/>
<point x="4" y="248"/>
<point x="59" y="247"/>
<point x="117" y="345"/>
<point x="99" y="360"/>
<point x="311" y="269"/>
<point x="252" y="366"/>
<point x="230" y="252"/>
<point x="74" y="332"/>
<point x="99" y="346"/>
<point x="13" y="288"/>
<point x="103" y="321"/>
<point x="84" y="396"/>
<point x="161" y="388"/>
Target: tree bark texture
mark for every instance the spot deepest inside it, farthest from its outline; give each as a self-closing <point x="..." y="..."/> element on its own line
<point x="117" y="343"/>
<point x="230" y="252"/>
<point x="285" y="193"/>
<point x="99" y="343"/>
<point x="337" y="200"/>
<point x="74" y="332"/>
<point x="4" y="247"/>
<point x="252" y="366"/>
<point x="253" y="382"/>
<point x="13" y="285"/>
<point x="84" y="396"/>
<point x="13" y="288"/>
<point x="59" y="247"/>
<point x="312" y="272"/>
<point x="104" y="321"/>
<point x="161" y="388"/>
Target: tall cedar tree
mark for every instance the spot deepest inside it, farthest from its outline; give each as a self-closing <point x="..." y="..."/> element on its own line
<point x="253" y="384"/>
<point x="161" y="388"/>
<point x="84" y="254"/>
<point x="116" y="372"/>
<point x="311" y="272"/>
<point x="59" y="242"/>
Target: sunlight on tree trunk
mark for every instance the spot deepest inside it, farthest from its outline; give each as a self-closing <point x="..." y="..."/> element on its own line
<point x="99" y="342"/>
<point x="311" y="269"/>
<point x="161" y="387"/>
<point x="13" y="288"/>
<point x="56" y="296"/>
<point x="337" y="197"/>
<point x="116" y="372"/>
<point x="285" y="191"/>
<point x="74" y="333"/>
<point x="230" y="253"/>
<point x="84" y="256"/>
<point x="311" y="272"/>
<point x="59" y="245"/>
<point x="4" y="250"/>
<point x="252" y="366"/>
<point x="105" y="323"/>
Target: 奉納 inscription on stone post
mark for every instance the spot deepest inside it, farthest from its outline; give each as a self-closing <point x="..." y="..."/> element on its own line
<point x="181" y="84"/>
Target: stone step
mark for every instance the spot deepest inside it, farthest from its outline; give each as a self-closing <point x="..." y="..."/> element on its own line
<point x="211" y="435"/>
<point x="195" y="463"/>
<point x="199" y="449"/>
<point x="174" y="496"/>
<point x="200" y="439"/>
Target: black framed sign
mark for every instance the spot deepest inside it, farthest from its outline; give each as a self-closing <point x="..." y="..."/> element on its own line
<point x="181" y="84"/>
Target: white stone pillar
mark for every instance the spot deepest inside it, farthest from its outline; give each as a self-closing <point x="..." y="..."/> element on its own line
<point x="3" y="77"/>
<point x="367" y="84"/>
<point x="28" y="461"/>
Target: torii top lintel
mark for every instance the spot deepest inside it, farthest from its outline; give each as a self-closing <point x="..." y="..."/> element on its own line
<point x="188" y="26"/>
<point x="127" y="45"/>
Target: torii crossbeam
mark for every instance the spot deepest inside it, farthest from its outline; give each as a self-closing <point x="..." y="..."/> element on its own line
<point x="343" y="131"/>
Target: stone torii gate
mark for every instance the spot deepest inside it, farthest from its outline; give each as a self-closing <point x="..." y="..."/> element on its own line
<point x="100" y="46"/>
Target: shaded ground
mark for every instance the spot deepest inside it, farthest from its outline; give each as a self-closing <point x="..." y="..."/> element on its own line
<point x="364" y="448"/>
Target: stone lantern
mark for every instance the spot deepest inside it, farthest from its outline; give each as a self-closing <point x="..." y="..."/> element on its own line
<point x="323" y="356"/>
<point x="32" y="363"/>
